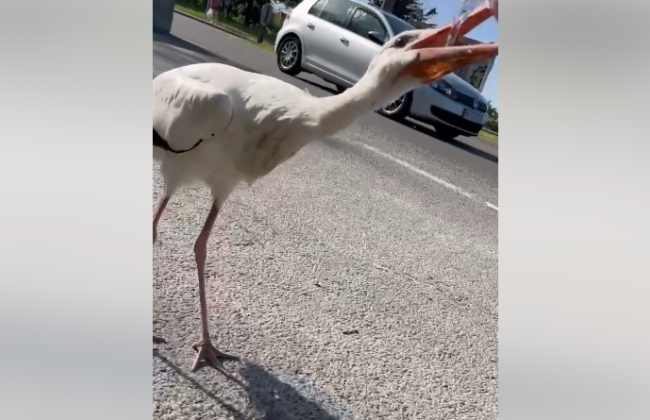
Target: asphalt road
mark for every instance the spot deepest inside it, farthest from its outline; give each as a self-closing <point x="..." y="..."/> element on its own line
<point x="357" y="281"/>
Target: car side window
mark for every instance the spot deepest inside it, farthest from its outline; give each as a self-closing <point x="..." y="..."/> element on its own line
<point x="363" y="22"/>
<point x="333" y="11"/>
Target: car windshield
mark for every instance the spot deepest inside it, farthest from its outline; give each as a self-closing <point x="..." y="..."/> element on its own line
<point x="397" y="25"/>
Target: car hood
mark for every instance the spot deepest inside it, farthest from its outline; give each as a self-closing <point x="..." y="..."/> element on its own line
<point x="461" y="86"/>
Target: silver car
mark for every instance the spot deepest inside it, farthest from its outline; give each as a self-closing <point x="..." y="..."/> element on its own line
<point x="337" y="39"/>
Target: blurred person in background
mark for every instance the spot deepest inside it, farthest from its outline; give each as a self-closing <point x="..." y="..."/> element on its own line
<point x="228" y="6"/>
<point x="212" y="9"/>
<point x="266" y="15"/>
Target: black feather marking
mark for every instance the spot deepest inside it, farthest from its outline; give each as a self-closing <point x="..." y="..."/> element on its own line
<point x="158" y="141"/>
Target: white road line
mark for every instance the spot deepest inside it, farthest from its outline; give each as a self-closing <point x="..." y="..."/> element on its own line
<point x="419" y="171"/>
<point x="424" y="174"/>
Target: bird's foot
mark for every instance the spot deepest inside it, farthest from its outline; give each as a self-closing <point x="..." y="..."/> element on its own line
<point x="158" y="340"/>
<point x="209" y="355"/>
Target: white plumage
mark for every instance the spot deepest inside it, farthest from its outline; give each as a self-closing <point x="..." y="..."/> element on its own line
<point x="249" y="123"/>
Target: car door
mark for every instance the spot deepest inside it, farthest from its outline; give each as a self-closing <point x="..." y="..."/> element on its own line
<point x="323" y="42"/>
<point x="362" y="47"/>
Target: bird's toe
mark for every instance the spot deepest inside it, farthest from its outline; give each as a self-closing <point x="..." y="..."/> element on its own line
<point x="209" y="355"/>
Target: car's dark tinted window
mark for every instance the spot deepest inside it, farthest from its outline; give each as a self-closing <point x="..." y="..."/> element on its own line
<point x="363" y="22"/>
<point x="333" y="11"/>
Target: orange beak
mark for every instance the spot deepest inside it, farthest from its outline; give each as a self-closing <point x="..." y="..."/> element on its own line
<point x="435" y="59"/>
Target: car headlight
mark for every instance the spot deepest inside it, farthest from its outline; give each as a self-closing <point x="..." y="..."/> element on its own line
<point x="445" y="88"/>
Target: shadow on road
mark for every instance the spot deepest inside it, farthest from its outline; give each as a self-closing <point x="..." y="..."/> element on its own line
<point x="269" y="397"/>
<point x="205" y="55"/>
<point x="278" y="400"/>
<point x="219" y="28"/>
<point x="466" y="147"/>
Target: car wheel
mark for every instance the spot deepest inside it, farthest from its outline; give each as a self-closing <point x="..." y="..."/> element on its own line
<point x="399" y="108"/>
<point x="289" y="55"/>
<point x="445" y="132"/>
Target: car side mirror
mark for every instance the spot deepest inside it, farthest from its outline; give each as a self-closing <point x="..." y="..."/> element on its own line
<point x="376" y="37"/>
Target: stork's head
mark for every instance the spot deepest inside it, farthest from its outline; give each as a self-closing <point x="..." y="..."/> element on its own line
<point x="418" y="57"/>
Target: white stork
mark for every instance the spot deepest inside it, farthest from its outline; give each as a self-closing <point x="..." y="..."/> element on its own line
<point x="219" y="126"/>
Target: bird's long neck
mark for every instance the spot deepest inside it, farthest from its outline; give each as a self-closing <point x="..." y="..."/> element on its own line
<point x="335" y="113"/>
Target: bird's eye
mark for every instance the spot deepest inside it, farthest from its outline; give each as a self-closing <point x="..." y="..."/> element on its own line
<point x="401" y="41"/>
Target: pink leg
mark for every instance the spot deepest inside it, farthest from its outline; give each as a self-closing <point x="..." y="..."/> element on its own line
<point x="157" y="214"/>
<point x="156" y="217"/>
<point x="208" y="355"/>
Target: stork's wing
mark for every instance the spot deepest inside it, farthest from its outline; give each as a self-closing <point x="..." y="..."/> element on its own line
<point x="187" y="109"/>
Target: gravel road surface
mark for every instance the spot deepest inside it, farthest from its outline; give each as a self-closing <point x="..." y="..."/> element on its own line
<point x="357" y="281"/>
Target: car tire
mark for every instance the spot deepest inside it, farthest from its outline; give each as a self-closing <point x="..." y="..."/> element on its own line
<point x="446" y="133"/>
<point x="289" y="55"/>
<point x="398" y="109"/>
